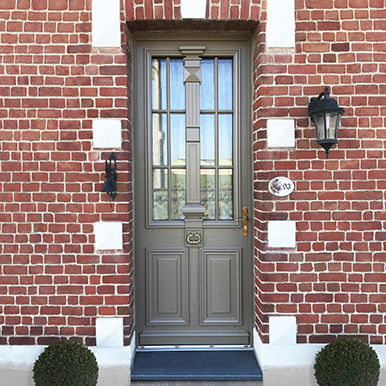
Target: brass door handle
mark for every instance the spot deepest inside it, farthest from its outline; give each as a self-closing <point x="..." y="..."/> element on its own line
<point x="244" y="219"/>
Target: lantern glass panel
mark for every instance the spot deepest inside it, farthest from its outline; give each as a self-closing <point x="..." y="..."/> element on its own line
<point x="331" y="124"/>
<point x="319" y="123"/>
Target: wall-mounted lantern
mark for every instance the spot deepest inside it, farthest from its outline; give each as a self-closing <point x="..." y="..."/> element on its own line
<point x="325" y="113"/>
<point x="110" y="185"/>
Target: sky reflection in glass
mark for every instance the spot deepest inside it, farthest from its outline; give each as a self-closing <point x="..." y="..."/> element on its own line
<point x="225" y="92"/>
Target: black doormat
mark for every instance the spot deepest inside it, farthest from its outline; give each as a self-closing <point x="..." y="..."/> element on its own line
<point x="224" y="365"/>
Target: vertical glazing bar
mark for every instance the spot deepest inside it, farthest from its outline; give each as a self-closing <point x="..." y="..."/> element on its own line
<point x="168" y="131"/>
<point x="216" y="194"/>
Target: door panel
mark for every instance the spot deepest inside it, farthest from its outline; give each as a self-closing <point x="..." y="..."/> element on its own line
<point x="167" y="287"/>
<point x="192" y="179"/>
<point x="220" y="291"/>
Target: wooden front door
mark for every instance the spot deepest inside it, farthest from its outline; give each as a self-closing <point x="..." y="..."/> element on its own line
<point x="193" y="261"/>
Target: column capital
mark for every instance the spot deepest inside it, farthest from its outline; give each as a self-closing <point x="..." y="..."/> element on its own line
<point x="192" y="51"/>
<point x="192" y="70"/>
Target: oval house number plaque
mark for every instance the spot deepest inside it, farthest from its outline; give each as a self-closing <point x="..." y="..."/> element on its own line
<point x="281" y="186"/>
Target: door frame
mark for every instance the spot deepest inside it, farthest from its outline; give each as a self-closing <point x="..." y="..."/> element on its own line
<point x="179" y="38"/>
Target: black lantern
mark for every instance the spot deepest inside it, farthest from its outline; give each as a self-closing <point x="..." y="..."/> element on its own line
<point x="110" y="185"/>
<point x="325" y="113"/>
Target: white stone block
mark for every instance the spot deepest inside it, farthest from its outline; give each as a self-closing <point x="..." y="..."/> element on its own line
<point x="281" y="23"/>
<point x="193" y="9"/>
<point x="107" y="133"/>
<point x="105" y="9"/>
<point x="108" y="235"/>
<point x="109" y="332"/>
<point x="106" y="23"/>
<point x="281" y="9"/>
<point x="281" y="132"/>
<point x="106" y="33"/>
<point x="282" y="234"/>
<point x="282" y="330"/>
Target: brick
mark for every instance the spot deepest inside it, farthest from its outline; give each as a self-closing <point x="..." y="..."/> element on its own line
<point x="319" y="4"/>
<point x="39" y="4"/>
<point x="58" y="5"/>
<point x="7" y="4"/>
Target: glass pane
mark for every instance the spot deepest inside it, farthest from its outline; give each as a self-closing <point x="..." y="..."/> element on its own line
<point x="331" y="119"/>
<point x="177" y="139"/>
<point x="177" y="87"/>
<point x="207" y="138"/>
<point x="207" y="84"/>
<point x="319" y="123"/>
<point x="160" y="194"/>
<point x="160" y="143"/>
<point x="225" y="139"/>
<point x="178" y="193"/>
<point x="208" y="193"/>
<point x="225" y="92"/>
<point x="159" y="87"/>
<point x="225" y="194"/>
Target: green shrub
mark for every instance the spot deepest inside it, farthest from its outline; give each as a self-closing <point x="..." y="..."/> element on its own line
<point x="347" y="362"/>
<point x="66" y="363"/>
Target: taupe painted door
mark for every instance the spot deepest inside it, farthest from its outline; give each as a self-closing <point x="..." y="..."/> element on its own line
<point x="193" y="265"/>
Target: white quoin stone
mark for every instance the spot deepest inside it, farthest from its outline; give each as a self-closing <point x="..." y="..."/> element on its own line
<point x="107" y="133"/>
<point x="282" y="330"/>
<point x="280" y="23"/>
<point x="109" y="332"/>
<point x="281" y="133"/>
<point x="108" y="235"/>
<point x="193" y="9"/>
<point x="106" y="23"/>
<point x="282" y="234"/>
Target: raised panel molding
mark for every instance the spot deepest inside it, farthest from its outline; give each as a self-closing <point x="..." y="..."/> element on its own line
<point x="221" y="296"/>
<point x="193" y="174"/>
<point x="167" y="286"/>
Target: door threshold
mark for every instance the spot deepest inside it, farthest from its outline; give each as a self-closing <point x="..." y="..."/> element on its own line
<point x="193" y="348"/>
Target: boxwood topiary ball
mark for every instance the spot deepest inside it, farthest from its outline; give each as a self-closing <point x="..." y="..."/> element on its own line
<point x="66" y="363"/>
<point x="347" y="362"/>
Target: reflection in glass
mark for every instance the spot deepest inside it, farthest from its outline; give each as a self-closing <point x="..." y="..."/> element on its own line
<point x="225" y="194"/>
<point x="208" y="193"/>
<point x="177" y="139"/>
<point x="178" y="193"/>
<point x="160" y="194"/>
<point x="225" y="84"/>
<point x="207" y="84"/>
<point x="158" y="83"/>
<point x="207" y="139"/>
<point x="225" y="139"/>
<point x="177" y="87"/>
<point x="160" y="143"/>
<point x="331" y="119"/>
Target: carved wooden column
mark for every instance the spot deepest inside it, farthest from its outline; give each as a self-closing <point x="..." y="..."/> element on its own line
<point x="193" y="210"/>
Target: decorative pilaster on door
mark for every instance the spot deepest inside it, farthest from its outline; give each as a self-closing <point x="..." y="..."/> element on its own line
<point x="193" y="210"/>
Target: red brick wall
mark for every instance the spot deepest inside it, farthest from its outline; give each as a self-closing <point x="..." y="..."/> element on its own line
<point x="233" y="9"/>
<point x="53" y="83"/>
<point x="152" y="9"/>
<point x="334" y="282"/>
